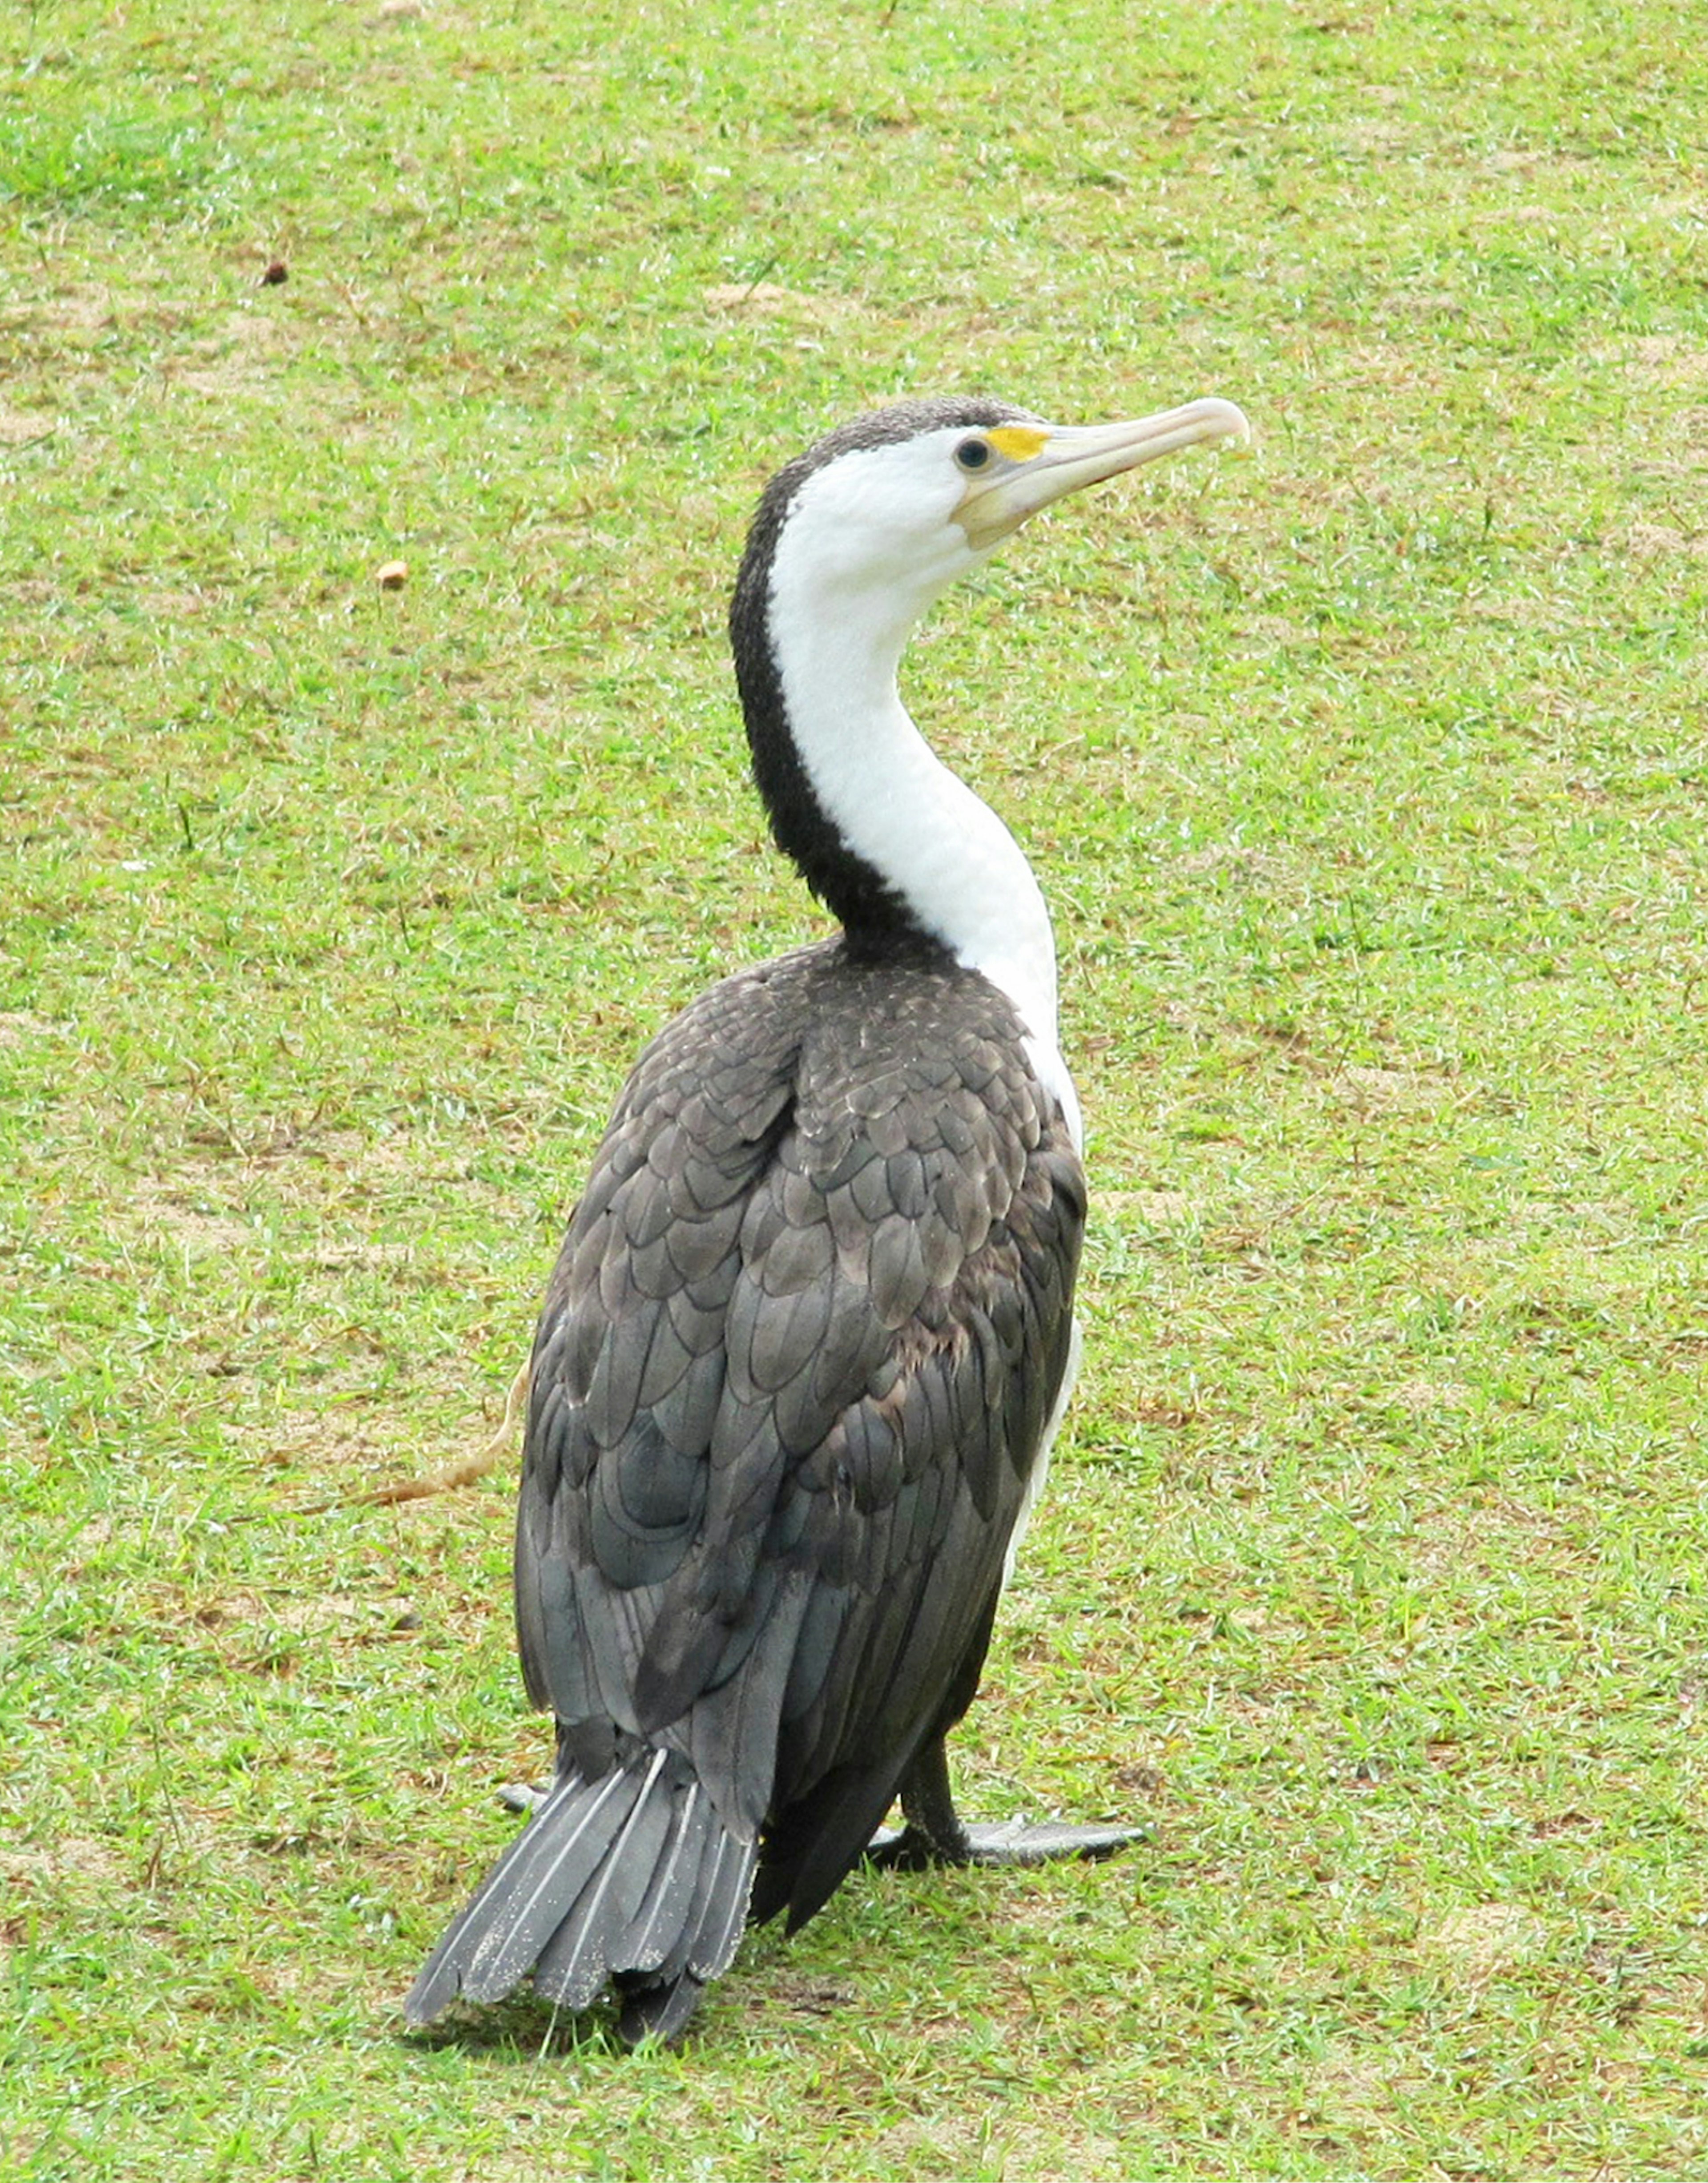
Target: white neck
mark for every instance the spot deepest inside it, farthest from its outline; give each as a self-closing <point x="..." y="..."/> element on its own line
<point x="898" y="806"/>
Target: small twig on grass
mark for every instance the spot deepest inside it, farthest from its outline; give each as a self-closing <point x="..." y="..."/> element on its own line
<point x="459" y="1474"/>
<point x="467" y="1473"/>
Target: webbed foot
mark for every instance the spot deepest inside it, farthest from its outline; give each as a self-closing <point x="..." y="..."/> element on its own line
<point x="906" y="1849"/>
<point x="934" y="1833"/>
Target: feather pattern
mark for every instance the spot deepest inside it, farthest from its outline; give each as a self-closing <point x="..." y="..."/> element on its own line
<point x="779" y="1435"/>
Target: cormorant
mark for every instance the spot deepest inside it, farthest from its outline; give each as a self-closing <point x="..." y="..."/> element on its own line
<point x="811" y="1330"/>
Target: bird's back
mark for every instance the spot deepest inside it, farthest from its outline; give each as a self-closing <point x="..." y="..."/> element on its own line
<point x="789" y="1389"/>
<point x="791" y="1376"/>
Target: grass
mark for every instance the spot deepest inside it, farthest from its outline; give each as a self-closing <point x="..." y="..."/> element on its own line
<point x="1368" y="777"/>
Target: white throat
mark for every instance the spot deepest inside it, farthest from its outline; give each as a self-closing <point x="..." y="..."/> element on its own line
<point x="898" y="806"/>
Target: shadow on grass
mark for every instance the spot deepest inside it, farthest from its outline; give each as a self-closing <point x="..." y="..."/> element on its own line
<point x="525" y="2031"/>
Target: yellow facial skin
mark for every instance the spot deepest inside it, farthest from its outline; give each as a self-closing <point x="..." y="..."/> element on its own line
<point x="1019" y="442"/>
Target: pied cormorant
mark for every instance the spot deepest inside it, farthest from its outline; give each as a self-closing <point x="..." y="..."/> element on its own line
<point x="811" y="1329"/>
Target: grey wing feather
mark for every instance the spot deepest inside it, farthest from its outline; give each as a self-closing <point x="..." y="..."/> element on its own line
<point x="790" y="1380"/>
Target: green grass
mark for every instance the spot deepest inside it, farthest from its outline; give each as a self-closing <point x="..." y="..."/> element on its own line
<point x="1368" y="776"/>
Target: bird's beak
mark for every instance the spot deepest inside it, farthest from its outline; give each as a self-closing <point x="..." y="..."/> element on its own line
<point x="1045" y="462"/>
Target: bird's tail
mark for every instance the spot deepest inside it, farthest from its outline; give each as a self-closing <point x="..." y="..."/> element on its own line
<point x="630" y="1878"/>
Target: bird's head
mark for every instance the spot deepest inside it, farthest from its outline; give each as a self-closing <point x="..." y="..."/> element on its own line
<point x="851" y="543"/>
<point x="905" y="499"/>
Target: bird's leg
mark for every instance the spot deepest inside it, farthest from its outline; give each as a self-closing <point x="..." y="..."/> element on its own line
<point x="934" y="1833"/>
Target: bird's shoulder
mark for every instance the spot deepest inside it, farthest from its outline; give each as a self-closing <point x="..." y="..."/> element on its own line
<point x="835" y="1070"/>
<point x="819" y="1162"/>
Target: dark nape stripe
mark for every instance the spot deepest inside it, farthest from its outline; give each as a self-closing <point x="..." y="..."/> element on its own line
<point x="875" y="916"/>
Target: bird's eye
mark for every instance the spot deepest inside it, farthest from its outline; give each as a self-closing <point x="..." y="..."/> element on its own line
<point x="973" y="454"/>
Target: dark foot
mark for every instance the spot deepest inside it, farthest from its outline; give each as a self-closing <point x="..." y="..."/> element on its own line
<point x="524" y="1796"/>
<point x="905" y="1849"/>
<point x="934" y="1833"/>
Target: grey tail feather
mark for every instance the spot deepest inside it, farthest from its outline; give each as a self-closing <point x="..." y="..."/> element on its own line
<point x="630" y="1878"/>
